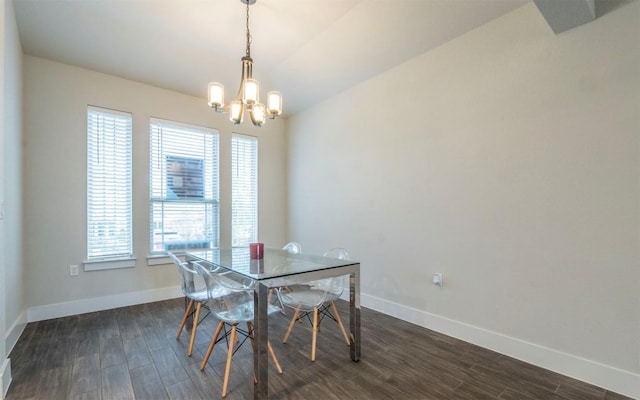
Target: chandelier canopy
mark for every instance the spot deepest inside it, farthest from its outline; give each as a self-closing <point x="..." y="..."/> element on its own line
<point x="248" y="96"/>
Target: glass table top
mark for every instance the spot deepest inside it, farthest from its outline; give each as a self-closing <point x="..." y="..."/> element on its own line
<point x="276" y="262"/>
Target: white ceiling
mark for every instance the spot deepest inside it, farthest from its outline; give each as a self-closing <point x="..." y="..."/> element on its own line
<point x="308" y="50"/>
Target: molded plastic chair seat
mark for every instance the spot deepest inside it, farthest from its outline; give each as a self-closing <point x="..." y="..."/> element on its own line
<point x="303" y="296"/>
<point x="242" y="310"/>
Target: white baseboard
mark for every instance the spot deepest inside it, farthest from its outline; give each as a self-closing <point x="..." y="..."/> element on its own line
<point x="101" y="303"/>
<point x="15" y="330"/>
<point x="5" y="377"/>
<point x="605" y="376"/>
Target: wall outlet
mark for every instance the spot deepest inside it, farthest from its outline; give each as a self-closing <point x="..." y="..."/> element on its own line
<point x="73" y="270"/>
<point x="437" y="279"/>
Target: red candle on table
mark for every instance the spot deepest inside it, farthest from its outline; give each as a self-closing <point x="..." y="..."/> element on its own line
<point x="256" y="250"/>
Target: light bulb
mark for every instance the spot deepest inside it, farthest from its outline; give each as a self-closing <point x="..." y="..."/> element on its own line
<point x="216" y="94"/>
<point x="274" y="103"/>
<point x="257" y="114"/>
<point x="250" y="94"/>
<point x="236" y="113"/>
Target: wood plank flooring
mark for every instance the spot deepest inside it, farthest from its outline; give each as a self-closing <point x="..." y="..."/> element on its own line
<point x="132" y="353"/>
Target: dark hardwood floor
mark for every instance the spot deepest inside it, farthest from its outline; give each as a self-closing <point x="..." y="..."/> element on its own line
<point x="131" y="353"/>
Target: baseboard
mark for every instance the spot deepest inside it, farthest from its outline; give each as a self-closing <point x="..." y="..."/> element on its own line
<point x="101" y="303"/>
<point x="5" y="377"/>
<point x="13" y="333"/>
<point x="605" y="376"/>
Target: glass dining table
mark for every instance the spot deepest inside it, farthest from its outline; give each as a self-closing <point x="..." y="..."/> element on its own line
<point x="281" y="268"/>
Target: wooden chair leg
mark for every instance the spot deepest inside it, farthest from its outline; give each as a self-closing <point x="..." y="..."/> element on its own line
<point x="293" y="321"/>
<point x="184" y="318"/>
<point x="196" y="318"/>
<point x="314" y="333"/>
<point x="250" y="330"/>
<point x="335" y="314"/>
<point x="232" y="342"/>
<point x="274" y="358"/>
<point x="211" y="345"/>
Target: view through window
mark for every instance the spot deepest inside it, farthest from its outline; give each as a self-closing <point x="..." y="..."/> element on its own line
<point x="184" y="189"/>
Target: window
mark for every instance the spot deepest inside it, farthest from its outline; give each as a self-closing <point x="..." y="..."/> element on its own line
<point x="244" y="182"/>
<point x="109" y="222"/>
<point x="183" y="176"/>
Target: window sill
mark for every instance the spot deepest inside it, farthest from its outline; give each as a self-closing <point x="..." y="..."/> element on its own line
<point x="163" y="259"/>
<point x="110" y="263"/>
<point x="158" y="259"/>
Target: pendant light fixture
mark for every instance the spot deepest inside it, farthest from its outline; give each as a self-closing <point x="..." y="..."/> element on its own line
<point x="248" y="96"/>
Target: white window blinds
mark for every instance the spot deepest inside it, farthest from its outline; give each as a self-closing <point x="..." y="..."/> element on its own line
<point x="109" y="222"/>
<point x="183" y="176"/>
<point x="244" y="201"/>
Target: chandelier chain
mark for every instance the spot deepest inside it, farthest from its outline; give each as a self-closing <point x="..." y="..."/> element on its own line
<point x="248" y="50"/>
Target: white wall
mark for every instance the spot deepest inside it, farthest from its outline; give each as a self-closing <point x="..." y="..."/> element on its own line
<point x="507" y="159"/>
<point x="56" y="99"/>
<point x="11" y="277"/>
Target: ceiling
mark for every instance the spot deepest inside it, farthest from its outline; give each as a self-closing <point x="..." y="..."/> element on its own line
<point x="308" y="50"/>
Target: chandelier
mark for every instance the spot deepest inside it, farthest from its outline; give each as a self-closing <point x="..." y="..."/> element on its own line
<point x="248" y="96"/>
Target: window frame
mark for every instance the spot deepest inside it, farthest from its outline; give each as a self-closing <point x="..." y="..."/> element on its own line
<point x="121" y="259"/>
<point x="159" y="186"/>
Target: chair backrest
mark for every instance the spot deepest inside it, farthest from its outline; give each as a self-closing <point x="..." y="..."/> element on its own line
<point x="236" y="304"/>
<point x="337" y="252"/>
<point x="293" y="248"/>
<point x="334" y="286"/>
<point x="174" y="258"/>
<point x="190" y="282"/>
